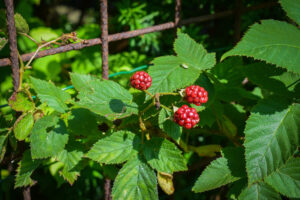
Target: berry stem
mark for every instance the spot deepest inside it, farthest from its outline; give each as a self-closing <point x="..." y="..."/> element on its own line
<point x="168" y="93"/>
<point x="165" y="107"/>
<point x="148" y="93"/>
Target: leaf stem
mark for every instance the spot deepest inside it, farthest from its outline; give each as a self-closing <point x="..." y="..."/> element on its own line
<point x="165" y="107"/>
<point x="168" y="93"/>
<point x="22" y="68"/>
<point x="148" y="93"/>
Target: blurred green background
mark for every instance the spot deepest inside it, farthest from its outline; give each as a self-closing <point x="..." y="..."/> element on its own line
<point x="49" y="19"/>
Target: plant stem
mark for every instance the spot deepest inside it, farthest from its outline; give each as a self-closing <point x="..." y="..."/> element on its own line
<point x="148" y="93"/>
<point x="165" y="107"/>
<point x="168" y="93"/>
<point x="21" y="71"/>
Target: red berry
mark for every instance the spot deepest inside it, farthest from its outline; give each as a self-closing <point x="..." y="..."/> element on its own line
<point x="141" y="80"/>
<point x="186" y="117"/>
<point x="196" y="95"/>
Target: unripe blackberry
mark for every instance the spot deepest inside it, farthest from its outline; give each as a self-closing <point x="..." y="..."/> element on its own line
<point x="141" y="80"/>
<point x="196" y="95"/>
<point x="186" y="117"/>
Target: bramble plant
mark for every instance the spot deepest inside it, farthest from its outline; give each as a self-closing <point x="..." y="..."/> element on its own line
<point x="142" y="136"/>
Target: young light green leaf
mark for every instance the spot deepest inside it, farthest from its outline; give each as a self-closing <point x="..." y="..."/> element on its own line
<point x="286" y="179"/>
<point x="115" y="148"/>
<point x="22" y="127"/>
<point x="229" y="168"/>
<point x="292" y="9"/>
<point x="135" y="181"/>
<point x="259" y="191"/>
<point x="21" y="24"/>
<point x="272" y="41"/>
<point x="48" y="137"/>
<point x="20" y="102"/>
<point x="50" y="94"/>
<point x="105" y="97"/>
<point x="25" y="170"/>
<point x="271" y="137"/>
<point x="70" y="158"/>
<point x="166" y="124"/>
<point x="70" y="176"/>
<point x="163" y="155"/>
<point x="193" y="54"/>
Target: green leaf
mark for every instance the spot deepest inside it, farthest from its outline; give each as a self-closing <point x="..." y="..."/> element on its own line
<point x="228" y="169"/>
<point x="292" y="8"/>
<point x="22" y="127"/>
<point x="25" y="170"/>
<point x="259" y="191"/>
<point x="3" y="42"/>
<point x="115" y="148"/>
<point x="105" y="97"/>
<point x="50" y="94"/>
<point x="70" y="158"/>
<point x="20" y="102"/>
<point x="3" y="142"/>
<point x="21" y="24"/>
<point x="271" y="136"/>
<point x="163" y="155"/>
<point x="167" y="125"/>
<point x="135" y="181"/>
<point x="272" y="41"/>
<point x="48" y="137"/>
<point x="286" y="179"/>
<point x="193" y="54"/>
<point x="83" y="122"/>
<point x="70" y="176"/>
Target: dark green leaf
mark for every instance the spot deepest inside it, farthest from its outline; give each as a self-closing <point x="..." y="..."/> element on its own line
<point x="259" y="191"/>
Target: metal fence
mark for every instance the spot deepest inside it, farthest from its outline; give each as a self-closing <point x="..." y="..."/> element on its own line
<point x="106" y="38"/>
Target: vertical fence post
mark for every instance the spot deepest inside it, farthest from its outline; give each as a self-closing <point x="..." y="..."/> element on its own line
<point x="104" y="44"/>
<point x="238" y="19"/>
<point x="177" y="12"/>
<point x="12" y="37"/>
<point x="104" y="38"/>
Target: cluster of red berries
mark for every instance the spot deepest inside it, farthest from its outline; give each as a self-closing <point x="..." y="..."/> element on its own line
<point x="196" y="95"/>
<point x="141" y="80"/>
<point x="184" y="116"/>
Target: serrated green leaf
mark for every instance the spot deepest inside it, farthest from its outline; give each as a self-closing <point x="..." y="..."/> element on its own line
<point x="167" y="125"/>
<point x="259" y="191"/>
<point x="273" y="41"/>
<point x="163" y="155"/>
<point x="48" y="137"/>
<point x="193" y="54"/>
<point x="70" y="176"/>
<point x="286" y="179"/>
<point x="3" y="42"/>
<point x="292" y="8"/>
<point x="271" y="136"/>
<point x="50" y="94"/>
<point x="25" y="170"/>
<point x="229" y="168"/>
<point x="166" y="72"/>
<point x="135" y="181"/>
<point x="21" y="24"/>
<point x="70" y="158"/>
<point x="115" y="148"/>
<point x="20" y="102"/>
<point x="83" y="122"/>
<point x="105" y="97"/>
<point x="23" y="127"/>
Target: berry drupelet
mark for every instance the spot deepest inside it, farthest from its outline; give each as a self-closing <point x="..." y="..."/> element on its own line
<point x="196" y="95"/>
<point x="186" y="117"/>
<point x="141" y="80"/>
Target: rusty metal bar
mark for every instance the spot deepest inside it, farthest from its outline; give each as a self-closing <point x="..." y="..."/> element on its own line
<point x="12" y="37"/>
<point x="130" y="34"/>
<point x="104" y="38"/>
<point x="177" y="12"/>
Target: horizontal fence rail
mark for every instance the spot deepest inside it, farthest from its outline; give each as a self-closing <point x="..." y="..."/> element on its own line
<point x="134" y="33"/>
